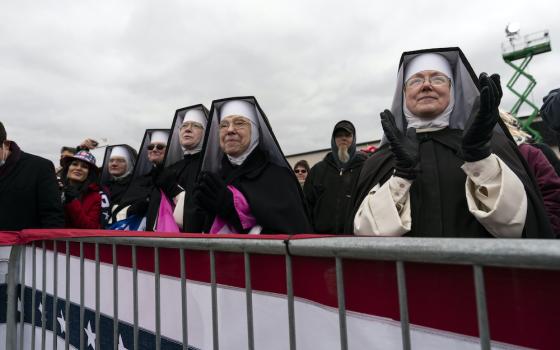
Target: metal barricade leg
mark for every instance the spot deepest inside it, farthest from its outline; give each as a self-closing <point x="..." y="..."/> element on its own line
<point x="341" y="304"/>
<point x="184" y="300"/>
<point x="33" y="291"/>
<point x="67" y="302"/>
<point x="403" y="305"/>
<point x="157" y="295"/>
<point x="216" y="341"/>
<point x="482" y="311"/>
<point x="44" y="298"/>
<point x="290" y="292"/>
<point x="97" y="295"/>
<point x="135" y="295"/>
<point x="115" y="299"/>
<point x="249" y="297"/>
<point x="12" y="281"/>
<point x="22" y="297"/>
<point x="55" y="294"/>
<point x="82" y="309"/>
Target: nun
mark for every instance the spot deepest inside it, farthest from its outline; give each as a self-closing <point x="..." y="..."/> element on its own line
<point x="183" y="158"/>
<point x="447" y="166"/>
<point x="142" y="197"/>
<point x="116" y="173"/>
<point x="245" y="185"/>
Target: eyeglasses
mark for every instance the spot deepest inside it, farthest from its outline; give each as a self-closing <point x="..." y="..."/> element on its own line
<point x="191" y="125"/>
<point x="436" y="80"/>
<point x="302" y="171"/>
<point x="236" y="123"/>
<point x="158" y="146"/>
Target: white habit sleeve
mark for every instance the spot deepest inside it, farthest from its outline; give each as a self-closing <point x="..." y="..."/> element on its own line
<point x="385" y="211"/>
<point x="496" y="197"/>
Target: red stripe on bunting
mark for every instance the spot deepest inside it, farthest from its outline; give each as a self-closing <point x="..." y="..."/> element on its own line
<point x="9" y="238"/>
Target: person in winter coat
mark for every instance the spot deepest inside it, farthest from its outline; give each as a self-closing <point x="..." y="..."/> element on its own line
<point x="184" y="156"/>
<point x="544" y="173"/>
<point x="143" y="197"/>
<point x="85" y="204"/>
<point x="329" y="186"/>
<point x="246" y="185"/>
<point x="446" y="167"/>
<point x="116" y="173"/>
<point x="550" y="110"/>
<point x="29" y="194"/>
<point x="301" y="169"/>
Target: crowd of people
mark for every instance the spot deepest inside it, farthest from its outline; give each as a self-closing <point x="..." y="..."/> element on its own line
<point x="451" y="163"/>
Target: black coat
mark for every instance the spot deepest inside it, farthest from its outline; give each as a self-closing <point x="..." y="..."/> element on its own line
<point x="29" y="193"/>
<point x="328" y="192"/>
<point x="186" y="172"/>
<point x="117" y="188"/>
<point x="272" y="192"/>
<point x="438" y="203"/>
<point x="143" y="197"/>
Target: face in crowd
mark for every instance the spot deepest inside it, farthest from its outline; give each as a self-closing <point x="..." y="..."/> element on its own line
<point x="191" y="134"/>
<point x="156" y="152"/>
<point x="301" y="173"/>
<point x="78" y="171"/>
<point x="427" y="93"/>
<point x="235" y="135"/>
<point x="117" y="166"/>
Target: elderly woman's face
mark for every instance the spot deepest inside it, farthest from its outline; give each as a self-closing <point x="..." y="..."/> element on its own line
<point x="78" y="171"/>
<point x="427" y="93"/>
<point x="117" y="166"/>
<point x="156" y="152"/>
<point x="235" y="135"/>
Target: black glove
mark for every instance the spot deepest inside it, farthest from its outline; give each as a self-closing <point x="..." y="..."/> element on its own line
<point x="478" y="134"/>
<point x="139" y="208"/>
<point x="213" y="196"/>
<point x="404" y="147"/>
<point x="70" y="193"/>
<point x="166" y="180"/>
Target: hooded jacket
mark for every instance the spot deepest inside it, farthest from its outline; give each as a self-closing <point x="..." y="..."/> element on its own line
<point x="330" y="184"/>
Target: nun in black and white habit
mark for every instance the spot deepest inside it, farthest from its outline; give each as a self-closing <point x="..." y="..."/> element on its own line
<point x="117" y="157"/>
<point x="184" y="156"/>
<point x="246" y="185"/>
<point x="452" y="171"/>
<point x="142" y="198"/>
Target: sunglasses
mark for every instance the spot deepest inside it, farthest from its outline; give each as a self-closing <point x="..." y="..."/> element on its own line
<point x="303" y="171"/>
<point x="159" y="147"/>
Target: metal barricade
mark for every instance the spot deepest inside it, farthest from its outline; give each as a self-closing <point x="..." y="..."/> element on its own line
<point x="478" y="253"/>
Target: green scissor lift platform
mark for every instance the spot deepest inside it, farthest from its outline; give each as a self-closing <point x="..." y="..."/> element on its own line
<point x="525" y="49"/>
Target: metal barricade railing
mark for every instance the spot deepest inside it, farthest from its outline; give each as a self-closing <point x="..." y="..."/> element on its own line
<point x="478" y="253"/>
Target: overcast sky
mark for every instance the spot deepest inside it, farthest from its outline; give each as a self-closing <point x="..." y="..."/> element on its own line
<point x="111" y="69"/>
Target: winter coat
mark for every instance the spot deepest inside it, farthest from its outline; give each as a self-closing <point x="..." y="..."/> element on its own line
<point x="328" y="192"/>
<point x="29" y="194"/>
<point x="547" y="180"/>
<point x="550" y="110"/>
<point x="85" y="212"/>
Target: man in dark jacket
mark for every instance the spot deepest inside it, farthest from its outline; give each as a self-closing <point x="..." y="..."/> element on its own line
<point x="29" y="195"/>
<point x="550" y="110"/>
<point x="329" y="186"/>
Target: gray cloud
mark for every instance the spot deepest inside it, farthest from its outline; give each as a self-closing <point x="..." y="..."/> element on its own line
<point x="72" y="70"/>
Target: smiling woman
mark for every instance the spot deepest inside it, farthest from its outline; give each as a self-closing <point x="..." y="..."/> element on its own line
<point x="85" y="204"/>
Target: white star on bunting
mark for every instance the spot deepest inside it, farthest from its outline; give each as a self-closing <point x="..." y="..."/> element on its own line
<point x="61" y="323"/>
<point x="90" y="336"/>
